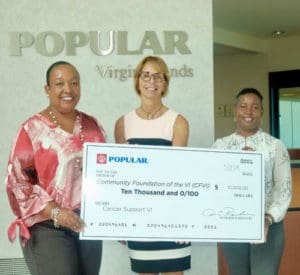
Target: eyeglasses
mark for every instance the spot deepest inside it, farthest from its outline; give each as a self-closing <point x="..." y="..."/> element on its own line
<point x="157" y="77"/>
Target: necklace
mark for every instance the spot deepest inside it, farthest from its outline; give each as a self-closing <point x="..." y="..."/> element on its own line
<point x="55" y="121"/>
<point x="152" y="114"/>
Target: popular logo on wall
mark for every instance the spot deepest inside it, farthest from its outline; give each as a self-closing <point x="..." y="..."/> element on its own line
<point x="51" y="43"/>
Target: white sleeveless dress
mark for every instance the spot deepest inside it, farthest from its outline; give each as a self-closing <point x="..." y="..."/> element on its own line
<point x="155" y="257"/>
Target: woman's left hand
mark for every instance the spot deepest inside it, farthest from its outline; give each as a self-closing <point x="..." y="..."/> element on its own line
<point x="70" y="219"/>
<point x="266" y="232"/>
<point x="267" y="226"/>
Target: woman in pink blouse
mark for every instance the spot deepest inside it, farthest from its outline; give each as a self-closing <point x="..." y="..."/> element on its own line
<point x="44" y="180"/>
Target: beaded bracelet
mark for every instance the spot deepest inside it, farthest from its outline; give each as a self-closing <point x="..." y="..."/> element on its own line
<point x="54" y="213"/>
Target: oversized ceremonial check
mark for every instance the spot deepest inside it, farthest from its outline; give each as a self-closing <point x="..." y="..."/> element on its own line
<point x="135" y="192"/>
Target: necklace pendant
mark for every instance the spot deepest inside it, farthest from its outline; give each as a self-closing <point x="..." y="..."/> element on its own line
<point x="153" y="114"/>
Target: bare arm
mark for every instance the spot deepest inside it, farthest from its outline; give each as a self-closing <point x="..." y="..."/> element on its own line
<point x="119" y="131"/>
<point x="180" y="131"/>
<point x="180" y="138"/>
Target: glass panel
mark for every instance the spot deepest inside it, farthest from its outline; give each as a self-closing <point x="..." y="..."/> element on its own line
<point x="289" y="113"/>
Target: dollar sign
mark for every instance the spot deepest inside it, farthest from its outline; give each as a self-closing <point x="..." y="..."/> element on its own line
<point x="216" y="187"/>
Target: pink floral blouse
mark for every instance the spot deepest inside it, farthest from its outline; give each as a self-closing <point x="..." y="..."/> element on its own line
<point x="45" y="165"/>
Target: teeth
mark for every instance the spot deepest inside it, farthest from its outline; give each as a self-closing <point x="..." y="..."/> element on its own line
<point x="67" y="97"/>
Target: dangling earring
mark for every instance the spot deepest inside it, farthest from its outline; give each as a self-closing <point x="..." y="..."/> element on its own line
<point x="47" y="95"/>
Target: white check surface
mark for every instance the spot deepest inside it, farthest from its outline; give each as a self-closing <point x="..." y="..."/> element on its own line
<point x="133" y="192"/>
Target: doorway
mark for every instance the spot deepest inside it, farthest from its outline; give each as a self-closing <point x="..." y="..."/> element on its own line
<point x="285" y="109"/>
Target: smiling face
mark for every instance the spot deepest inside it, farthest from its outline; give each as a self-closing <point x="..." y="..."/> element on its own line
<point x="159" y="65"/>
<point x="151" y="82"/>
<point x="248" y="113"/>
<point x="63" y="88"/>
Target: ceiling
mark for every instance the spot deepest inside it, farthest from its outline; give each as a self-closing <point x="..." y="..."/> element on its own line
<point x="253" y="19"/>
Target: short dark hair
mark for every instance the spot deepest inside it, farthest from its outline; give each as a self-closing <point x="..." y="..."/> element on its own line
<point x="249" y="91"/>
<point x="55" y="64"/>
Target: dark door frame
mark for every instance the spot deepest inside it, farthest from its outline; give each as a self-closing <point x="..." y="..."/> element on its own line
<point x="278" y="80"/>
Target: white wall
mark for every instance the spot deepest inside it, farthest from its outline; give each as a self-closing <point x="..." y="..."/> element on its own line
<point x="233" y="73"/>
<point x="23" y="78"/>
<point x="283" y="53"/>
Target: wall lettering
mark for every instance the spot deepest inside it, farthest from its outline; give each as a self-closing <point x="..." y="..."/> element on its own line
<point x="122" y="74"/>
<point x="51" y="43"/>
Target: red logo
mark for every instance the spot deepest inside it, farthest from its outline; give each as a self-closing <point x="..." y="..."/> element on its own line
<point x="101" y="158"/>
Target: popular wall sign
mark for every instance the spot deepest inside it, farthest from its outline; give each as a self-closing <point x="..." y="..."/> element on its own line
<point x="50" y="43"/>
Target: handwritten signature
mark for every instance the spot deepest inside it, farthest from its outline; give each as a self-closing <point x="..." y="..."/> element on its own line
<point x="227" y="212"/>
